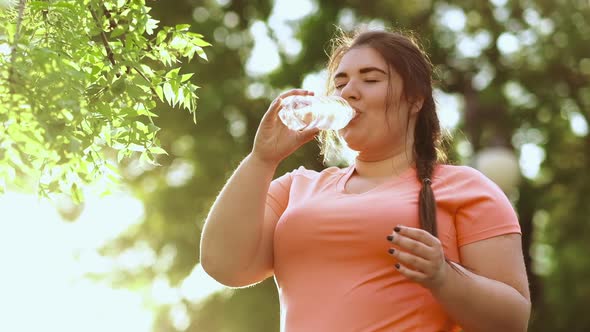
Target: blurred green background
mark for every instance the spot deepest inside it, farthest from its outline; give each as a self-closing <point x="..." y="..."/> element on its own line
<point x="513" y="74"/>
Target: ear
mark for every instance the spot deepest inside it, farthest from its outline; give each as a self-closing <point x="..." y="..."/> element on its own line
<point x="416" y="105"/>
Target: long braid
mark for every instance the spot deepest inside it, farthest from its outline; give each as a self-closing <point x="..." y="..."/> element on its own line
<point x="426" y="139"/>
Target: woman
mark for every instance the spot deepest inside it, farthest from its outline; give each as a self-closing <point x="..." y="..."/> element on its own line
<point x="397" y="241"/>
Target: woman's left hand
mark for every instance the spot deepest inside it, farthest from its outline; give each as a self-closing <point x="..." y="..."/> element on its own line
<point x="419" y="255"/>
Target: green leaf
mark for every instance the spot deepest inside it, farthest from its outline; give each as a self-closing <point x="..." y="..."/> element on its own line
<point x="118" y="31"/>
<point x="187" y="100"/>
<point x="183" y="27"/>
<point x="200" y="42"/>
<point x="136" y="147"/>
<point x="162" y="34"/>
<point x="147" y="158"/>
<point x="64" y="4"/>
<point x="141" y="127"/>
<point x="178" y="43"/>
<point x="201" y="53"/>
<point x="186" y="77"/>
<point x="38" y="5"/>
<point x="165" y="57"/>
<point x="135" y="91"/>
<point x="172" y="74"/>
<point x="147" y="70"/>
<point x="159" y="92"/>
<point x="147" y="113"/>
<point x="157" y="150"/>
<point x="169" y="93"/>
<point x="151" y="25"/>
<point x="119" y="86"/>
<point x="179" y="96"/>
<point x="153" y="128"/>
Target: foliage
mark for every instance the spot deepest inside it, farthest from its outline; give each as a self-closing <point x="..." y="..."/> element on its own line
<point x="78" y="78"/>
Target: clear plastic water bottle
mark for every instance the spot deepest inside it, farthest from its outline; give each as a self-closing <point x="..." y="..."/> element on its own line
<point x="325" y="112"/>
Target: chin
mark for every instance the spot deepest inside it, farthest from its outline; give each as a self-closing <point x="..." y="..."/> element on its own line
<point x="353" y="144"/>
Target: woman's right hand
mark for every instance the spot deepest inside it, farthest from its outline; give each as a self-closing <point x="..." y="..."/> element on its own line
<point x="274" y="141"/>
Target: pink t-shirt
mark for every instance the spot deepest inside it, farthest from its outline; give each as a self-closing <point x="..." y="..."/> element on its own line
<point x="331" y="264"/>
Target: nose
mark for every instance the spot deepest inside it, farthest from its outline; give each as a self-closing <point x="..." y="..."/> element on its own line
<point x="349" y="91"/>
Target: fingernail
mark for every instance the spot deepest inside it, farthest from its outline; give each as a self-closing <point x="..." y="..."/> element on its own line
<point x="390" y="238"/>
<point x="391" y="251"/>
<point x="397" y="266"/>
<point x="397" y="229"/>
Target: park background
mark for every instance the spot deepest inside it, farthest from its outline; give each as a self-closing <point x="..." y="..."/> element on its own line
<point x="513" y="81"/>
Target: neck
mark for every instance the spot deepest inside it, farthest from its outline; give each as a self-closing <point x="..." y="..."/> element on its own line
<point x="385" y="165"/>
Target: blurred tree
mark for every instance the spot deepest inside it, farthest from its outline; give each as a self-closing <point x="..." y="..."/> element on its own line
<point x="519" y="68"/>
<point x="79" y="77"/>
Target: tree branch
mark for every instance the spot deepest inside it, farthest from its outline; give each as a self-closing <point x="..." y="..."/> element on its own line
<point x="19" y="21"/>
<point x="145" y="78"/>
<point x="103" y="37"/>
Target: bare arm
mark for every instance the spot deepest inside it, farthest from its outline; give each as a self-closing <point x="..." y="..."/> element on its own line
<point x="236" y="244"/>
<point x="494" y="298"/>
<point x="233" y="229"/>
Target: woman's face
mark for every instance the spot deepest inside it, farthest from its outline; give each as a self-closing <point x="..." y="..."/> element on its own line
<point x="364" y="79"/>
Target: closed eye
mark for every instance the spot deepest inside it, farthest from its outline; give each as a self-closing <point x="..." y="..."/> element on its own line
<point x="340" y="86"/>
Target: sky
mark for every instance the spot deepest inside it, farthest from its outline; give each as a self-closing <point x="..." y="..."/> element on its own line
<point x="44" y="259"/>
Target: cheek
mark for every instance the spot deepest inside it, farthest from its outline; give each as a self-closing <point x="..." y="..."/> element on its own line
<point x="398" y="115"/>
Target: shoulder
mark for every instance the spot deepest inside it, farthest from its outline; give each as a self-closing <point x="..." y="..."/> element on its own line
<point x="481" y="209"/>
<point x="466" y="186"/>
<point x="464" y="177"/>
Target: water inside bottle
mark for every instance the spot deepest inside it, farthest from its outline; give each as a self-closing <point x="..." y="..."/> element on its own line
<point x="327" y="112"/>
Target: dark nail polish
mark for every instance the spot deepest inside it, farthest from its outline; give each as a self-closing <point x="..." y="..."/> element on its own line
<point x="391" y="251"/>
<point x="397" y="265"/>
<point x="397" y="229"/>
<point x="390" y="238"/>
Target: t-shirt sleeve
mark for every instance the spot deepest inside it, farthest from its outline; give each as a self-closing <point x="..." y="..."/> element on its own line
<point x="485" y="211"/>
<point x="278" y="193"/>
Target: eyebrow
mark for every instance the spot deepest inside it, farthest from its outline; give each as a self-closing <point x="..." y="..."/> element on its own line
<point x="362" y="71"/>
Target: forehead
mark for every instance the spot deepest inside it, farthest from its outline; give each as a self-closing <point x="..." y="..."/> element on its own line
<point x="361" y="57"/>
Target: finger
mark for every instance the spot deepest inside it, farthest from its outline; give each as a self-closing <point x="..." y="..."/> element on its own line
<point x="410" y="274"/>
<point x="410" y="260"/>
<point x="308" y="134"/>
<point x="410" y="245"/>
<point x="275" y="106"/>
<point x="417" y="234"/>
<point x="273" y="110"/>
<point x="295" y="92"/>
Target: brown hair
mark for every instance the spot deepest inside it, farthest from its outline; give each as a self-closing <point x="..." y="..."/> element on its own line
<point x="403" y="53"/>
